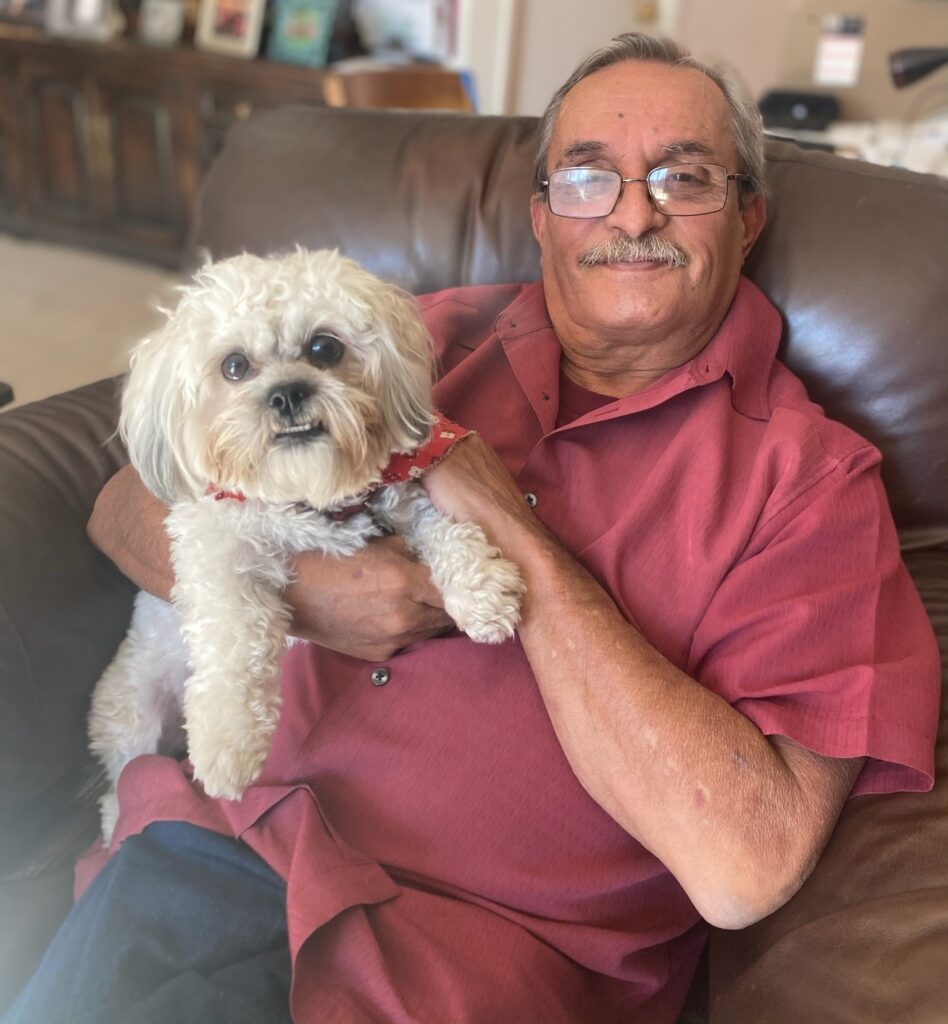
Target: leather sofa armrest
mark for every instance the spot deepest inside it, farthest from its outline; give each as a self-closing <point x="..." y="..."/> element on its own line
<point x="863" y="942"/>
<point x="63" y="606"/>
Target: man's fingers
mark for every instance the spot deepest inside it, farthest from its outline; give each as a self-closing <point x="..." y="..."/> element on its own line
<point x="429" y="595"/>
<point x="421" y="590"/>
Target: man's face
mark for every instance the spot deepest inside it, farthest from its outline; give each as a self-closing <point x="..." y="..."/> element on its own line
<point x="631" y="118"/>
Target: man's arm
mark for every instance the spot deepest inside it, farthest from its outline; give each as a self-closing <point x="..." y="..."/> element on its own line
<point x="369" y="605"/>
<point x="738" y="818"/>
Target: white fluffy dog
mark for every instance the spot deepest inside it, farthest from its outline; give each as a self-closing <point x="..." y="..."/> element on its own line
<point x="266" y="408"/>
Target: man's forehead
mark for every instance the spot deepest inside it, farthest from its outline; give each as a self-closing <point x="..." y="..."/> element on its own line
<point x="672" y="111"/>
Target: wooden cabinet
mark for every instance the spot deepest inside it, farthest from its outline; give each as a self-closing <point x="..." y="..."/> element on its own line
<point x="104" y="145"/>
<point x="58" y="153"/>
<point x="10" y="186"/>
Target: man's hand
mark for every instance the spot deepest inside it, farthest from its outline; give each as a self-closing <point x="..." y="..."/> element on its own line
<point x="368" y="605"/>
<point x="473" y="485"/>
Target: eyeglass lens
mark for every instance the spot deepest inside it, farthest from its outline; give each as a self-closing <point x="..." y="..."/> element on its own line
<point x="678" y="190"/>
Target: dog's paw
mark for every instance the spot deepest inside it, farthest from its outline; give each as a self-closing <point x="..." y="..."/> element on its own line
<point x="108" y="814"/>
<point x="225" y="766"/>
<point x="486" y="606"/>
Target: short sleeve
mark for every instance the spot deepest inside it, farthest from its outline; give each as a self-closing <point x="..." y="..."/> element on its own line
<point x="818" y="634"/>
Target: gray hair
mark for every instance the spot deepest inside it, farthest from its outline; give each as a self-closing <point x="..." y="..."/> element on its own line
<point x="748" y="127"/>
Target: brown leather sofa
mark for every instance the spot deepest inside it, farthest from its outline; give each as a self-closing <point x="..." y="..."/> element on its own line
<point x="854" y="256"/>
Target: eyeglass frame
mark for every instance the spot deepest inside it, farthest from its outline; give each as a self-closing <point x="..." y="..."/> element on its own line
<point x="729" y="177"/>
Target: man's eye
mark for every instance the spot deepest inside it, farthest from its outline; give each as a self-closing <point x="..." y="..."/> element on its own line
<point x="324" y="350"/>
<point x="695" y="177"/>
<point x="235" y="366"/>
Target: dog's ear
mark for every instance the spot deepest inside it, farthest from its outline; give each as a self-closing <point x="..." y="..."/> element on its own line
<point x="406" y="367"/>
<point x="153" y="417"/>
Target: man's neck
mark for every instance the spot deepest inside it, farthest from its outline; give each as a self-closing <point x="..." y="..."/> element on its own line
<point x="628" y="367"/>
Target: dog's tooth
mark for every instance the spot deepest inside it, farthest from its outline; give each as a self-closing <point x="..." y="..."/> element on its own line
<point x="302" y="428"/>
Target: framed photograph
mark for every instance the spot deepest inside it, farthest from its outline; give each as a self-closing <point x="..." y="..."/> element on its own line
<point x="230" y="26"/>
<point x="302" y="30"/>
<point x="85" y="19"/>
<point x="160" y="22"/>
<point x="26" y="12"/>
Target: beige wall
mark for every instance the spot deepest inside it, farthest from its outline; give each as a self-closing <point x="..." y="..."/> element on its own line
<point x="522" y="50"/>
<point x="772" y="44"/>
<point x="557" y="34"/>
<point x="890" y="25"/>
<point x="742" y="37"/>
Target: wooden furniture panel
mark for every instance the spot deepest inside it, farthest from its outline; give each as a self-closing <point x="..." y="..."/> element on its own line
<point x="410" y="88"/>
<point x="58" y="141"/>
<point x="143" y="152"/>
<point x="9" y="173"/>
<point x="105" y="144"/>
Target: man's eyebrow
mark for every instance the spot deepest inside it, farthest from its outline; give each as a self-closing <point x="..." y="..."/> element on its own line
<point x="585" y="149"/>
<point x="591" y="149"/>
<point x="687" y="147"/>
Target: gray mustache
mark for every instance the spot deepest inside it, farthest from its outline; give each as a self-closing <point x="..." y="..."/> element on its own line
<point x="626" y="249"/>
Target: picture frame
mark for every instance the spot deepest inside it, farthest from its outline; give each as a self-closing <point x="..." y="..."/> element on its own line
<point x="81" y="19"/>
<point x="230" y="26"/>
<point x="160" y="22"/>
<point x="302" y="31"/>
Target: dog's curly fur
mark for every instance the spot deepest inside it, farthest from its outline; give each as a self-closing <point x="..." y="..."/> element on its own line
<point x="292" y="381"/>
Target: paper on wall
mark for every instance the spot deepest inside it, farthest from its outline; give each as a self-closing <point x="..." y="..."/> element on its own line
<point x="839" y="51"/>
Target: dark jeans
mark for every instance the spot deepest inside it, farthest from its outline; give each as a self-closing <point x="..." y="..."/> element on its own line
<point x="182" y="926"/>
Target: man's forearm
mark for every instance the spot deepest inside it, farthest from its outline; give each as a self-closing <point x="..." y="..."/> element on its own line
<point x="739" y="819"/>
<point x="127" y="525"/>
<point x="723" y="807"/>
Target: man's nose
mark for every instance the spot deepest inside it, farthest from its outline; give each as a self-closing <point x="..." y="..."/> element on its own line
<point x="635" y="212"/>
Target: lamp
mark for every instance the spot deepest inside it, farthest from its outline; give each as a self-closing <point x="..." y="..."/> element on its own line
<point x="908" y="66"/>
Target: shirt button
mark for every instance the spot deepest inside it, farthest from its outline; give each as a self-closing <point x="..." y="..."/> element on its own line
<point x="381" y="676"/>
<point x="531" y="499"/>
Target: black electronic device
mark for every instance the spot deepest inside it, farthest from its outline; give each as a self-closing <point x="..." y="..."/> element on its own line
<point x="908" y="66"/>
<point x="808" y="111"/>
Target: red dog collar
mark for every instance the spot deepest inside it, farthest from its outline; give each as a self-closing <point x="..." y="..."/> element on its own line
<point x="218" y="495"/>
<point x="444" y="436"/>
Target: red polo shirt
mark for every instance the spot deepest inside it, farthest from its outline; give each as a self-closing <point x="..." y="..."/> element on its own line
<point x="443" y="863"/>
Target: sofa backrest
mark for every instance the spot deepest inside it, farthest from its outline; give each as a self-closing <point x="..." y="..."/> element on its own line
<point x="854" y="255"/>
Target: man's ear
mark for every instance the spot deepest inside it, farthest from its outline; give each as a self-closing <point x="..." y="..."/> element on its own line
<point x="538" y="212"/>
<point x="754" y="216"/>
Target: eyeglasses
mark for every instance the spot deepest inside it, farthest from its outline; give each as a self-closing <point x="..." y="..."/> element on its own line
<point x="679" y="190"/>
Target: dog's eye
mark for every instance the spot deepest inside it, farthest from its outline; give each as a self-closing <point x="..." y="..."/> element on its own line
<point x="324" y="350"/>
<point x="235" y="366"/>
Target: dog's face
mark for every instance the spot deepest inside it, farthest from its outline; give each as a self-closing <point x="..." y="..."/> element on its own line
<point x="290" y="378"/>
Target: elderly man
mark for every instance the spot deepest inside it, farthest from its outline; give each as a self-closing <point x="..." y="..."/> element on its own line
<point x="719" y="645"/>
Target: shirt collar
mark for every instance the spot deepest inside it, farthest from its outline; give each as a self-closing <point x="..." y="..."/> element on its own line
<point x="744" y="348"/>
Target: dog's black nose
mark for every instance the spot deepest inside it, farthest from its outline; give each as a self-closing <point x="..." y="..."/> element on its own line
<point x="287" y="399"/>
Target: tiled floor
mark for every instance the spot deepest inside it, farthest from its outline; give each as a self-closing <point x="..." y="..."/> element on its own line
<point x="69" y="317"/>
